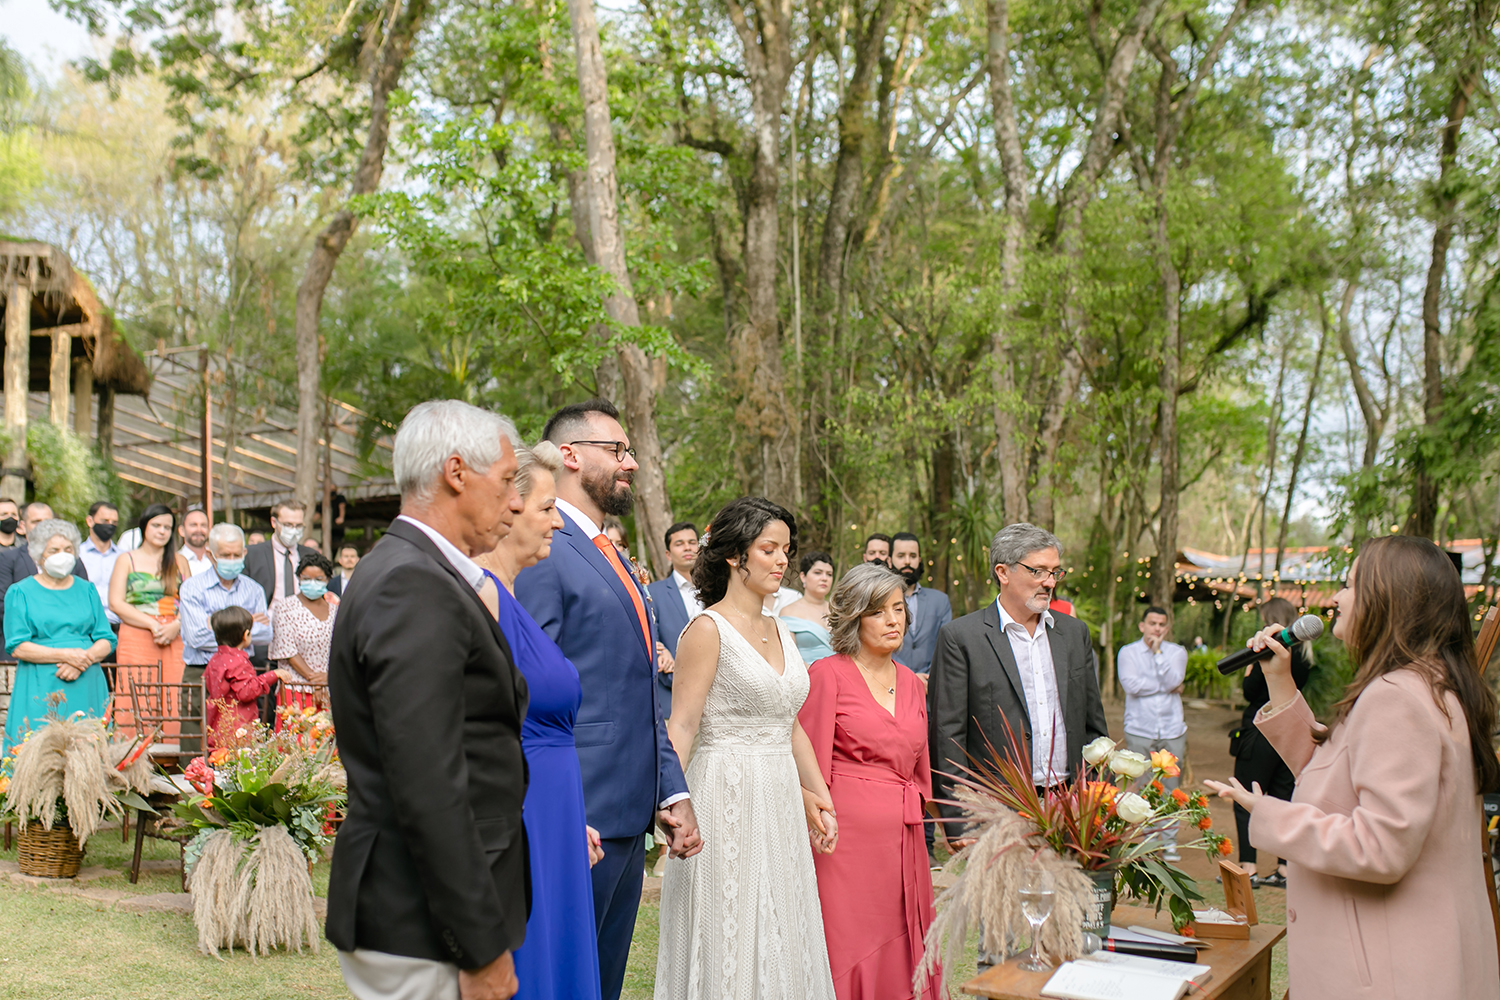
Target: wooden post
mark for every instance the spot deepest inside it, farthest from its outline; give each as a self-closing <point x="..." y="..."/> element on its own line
<point x="104" y="428"/>
<point x="57" y="382"/>
<point x="17" y="381"/>
<point x="207" y="437"/>
<point x="83" y="396"/>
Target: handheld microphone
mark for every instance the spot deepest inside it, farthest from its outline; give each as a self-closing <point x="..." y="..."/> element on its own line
<point x="1304" y="629"/>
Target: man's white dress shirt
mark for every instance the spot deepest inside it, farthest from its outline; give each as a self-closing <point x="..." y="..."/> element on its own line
<point x="196" y="563"/>
<point x="467" y="568"/>
<point x="1049" y="736"/>
<point x="689" y="594"/>
<point x="1152" y="709"/>
<point x="101" y="567"/>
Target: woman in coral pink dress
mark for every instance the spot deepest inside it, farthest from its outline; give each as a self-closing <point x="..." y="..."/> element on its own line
<point x="866" y="716"/>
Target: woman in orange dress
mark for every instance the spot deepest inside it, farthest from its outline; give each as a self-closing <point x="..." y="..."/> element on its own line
<point x="143" y="595"/>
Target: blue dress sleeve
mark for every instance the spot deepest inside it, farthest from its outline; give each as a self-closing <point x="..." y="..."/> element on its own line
<point x="18" y="624"/>
<point x="100" y="628"/>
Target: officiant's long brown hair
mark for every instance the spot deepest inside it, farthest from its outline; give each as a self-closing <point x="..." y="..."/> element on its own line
<point x="1410" y="611"/>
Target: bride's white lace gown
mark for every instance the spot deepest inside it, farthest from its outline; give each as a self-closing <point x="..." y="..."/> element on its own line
<point x="741" y="919"/>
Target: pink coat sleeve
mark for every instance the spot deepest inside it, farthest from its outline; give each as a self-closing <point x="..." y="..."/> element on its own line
<point x="1394" y="743"/>
<point x="820" y="711"/>
<point x="1290" y="732"/>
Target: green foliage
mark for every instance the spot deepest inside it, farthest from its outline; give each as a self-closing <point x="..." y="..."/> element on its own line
<point x="1203" y="677"/>
<point x="1331" y="673"/>
<point x="68" y="473"/>
<point x="20" y="162"/>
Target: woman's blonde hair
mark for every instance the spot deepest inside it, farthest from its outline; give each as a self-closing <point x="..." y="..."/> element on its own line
<point x="862" y="592"/>
<point x="542" y="455"/>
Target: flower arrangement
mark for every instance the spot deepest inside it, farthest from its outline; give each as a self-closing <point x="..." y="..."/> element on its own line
<point x="1104" y="824"/>
<point x="261" y="818"/>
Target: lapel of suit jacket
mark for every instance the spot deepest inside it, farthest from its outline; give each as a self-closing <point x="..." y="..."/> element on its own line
<point x="1060" y="661"/>
<point x="416" y="537"/>
<point x="586" y="548"/>
<point x="1000" y="643"/>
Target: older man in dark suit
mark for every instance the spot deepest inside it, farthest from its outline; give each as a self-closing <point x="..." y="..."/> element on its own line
<point x="1015" y="663"/>
<point x="430" y="887"/>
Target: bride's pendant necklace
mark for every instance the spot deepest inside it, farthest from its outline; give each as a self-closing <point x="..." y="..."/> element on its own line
<point x="750" y="620"/>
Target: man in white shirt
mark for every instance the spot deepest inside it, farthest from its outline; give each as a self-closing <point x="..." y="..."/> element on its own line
<point x="1151" y="671"/>
<point x="194" y="532"/>
<point x="98" y="552"/>
<point x="674" y="601"/>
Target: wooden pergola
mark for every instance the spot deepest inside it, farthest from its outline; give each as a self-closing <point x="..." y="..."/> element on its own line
<point x="61" y="341"/>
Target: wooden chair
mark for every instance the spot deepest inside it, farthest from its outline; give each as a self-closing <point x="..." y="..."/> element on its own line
<point x="120" y="677"/>
<point x="174" y="707"/>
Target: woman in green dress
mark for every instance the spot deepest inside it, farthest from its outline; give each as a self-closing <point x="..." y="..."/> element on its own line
<point x="56" y="629"/>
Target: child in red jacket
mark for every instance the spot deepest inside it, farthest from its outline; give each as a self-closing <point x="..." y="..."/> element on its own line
<point x="230" y="683"/>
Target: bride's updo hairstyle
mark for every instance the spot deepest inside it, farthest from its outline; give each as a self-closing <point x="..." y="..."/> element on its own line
<point x="734" y="529"/>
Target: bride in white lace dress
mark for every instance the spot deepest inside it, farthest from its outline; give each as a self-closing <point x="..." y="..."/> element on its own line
<point x="741" y="920"/>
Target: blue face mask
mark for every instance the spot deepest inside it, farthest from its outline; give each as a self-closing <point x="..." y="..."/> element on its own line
<point x="314" y="589"/>
<point x="229" y="569"/>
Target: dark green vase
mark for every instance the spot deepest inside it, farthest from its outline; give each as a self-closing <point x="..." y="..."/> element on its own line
<point x="1101" y="903"/>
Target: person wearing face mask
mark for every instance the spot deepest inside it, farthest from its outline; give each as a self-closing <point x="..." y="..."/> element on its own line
<point x="99" y="552"/>
<point x="56" y="630"/>
<point x="10" y="522"/>
<point x="273" y="564"/>
<point x="1014" y="663"/>
<point x="302" y="633"/>
<point x="143" y="594"/>
<point x="226" y="586"/>
<point x="559" y="960"/>
<point x="16" y="563"/>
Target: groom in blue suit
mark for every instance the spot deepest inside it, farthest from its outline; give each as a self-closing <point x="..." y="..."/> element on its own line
<point x="585" y="598"/>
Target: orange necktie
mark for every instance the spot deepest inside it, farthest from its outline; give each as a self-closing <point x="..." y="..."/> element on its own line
<point x="612" y="556"/>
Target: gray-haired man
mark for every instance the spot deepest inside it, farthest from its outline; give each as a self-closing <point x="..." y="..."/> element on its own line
<point x="1014" y="663"/>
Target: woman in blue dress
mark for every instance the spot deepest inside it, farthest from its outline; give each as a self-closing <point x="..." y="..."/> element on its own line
<point x="560" y="959"/>
<point x="807" y="619"/>
<point x="56" y="629"/>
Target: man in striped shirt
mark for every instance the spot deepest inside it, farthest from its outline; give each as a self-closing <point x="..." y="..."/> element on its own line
<point x="200" y="596"/>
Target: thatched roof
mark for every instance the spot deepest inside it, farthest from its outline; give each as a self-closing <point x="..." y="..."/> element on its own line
<point x="63" y="298"/>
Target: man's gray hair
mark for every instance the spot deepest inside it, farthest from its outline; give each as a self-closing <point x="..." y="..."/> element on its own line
<point x="224" y="532"/>
<point x="439" y="428"/>
<point x="36" y="542"/>
<point x="862" y="592"/>
<point x="1015" y="542"/>
<point x="542" y="455"/>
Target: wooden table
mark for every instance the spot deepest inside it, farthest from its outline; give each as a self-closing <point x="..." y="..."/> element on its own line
<point x="1241" y="969"/>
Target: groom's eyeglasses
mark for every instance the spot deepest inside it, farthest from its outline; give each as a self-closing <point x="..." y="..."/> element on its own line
<point x="618" y="447"/>
<point x="1041" y="574"/>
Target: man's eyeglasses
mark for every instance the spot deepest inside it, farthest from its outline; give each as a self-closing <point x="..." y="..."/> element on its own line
<point x="1041" y="574"/>
<point x="620" y="448"/>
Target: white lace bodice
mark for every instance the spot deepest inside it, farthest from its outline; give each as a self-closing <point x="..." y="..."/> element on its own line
<point x="749" y="709"/>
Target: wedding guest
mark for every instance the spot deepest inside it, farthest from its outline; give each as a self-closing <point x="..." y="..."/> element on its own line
<point x="231" y="687"/>
<point x="10" y="521"/>
<point x="930" y="609"/>
<point x="614" y="530"/>
<point x="866" y="717"/>
<point x="1152" y="671"/>
<point x="16" y="563"/>
<point x="1256" y="761"/>
<point x="99" y="552"/>
<point x="273" y="564"/>
<point x="143" y="591"/>
<point x="428" y="893"/>
<point x="348" y="559"/>
<point x="1386" y="895"/>
<point x="56" y="630"/>
<point x="314" y="544"/>
<point x="877" y="549"/>
<point x="255" y="538"/>
<point x="588" y="602"/>
<point x="202" y="595"/>
<point x="1013" y="666"/>
<point x="675" y="601"/>
<point x="560" y="959"/>
<point x="302" y="633"/>
<point x="807" y="618"/>
<point x="194" y="532"/>
<point x="739" y="686"/>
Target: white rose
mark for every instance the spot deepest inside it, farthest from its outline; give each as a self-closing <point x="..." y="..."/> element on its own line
<point x="1099" y="749"/>
<point x="1132" y="808"/>
<point x="1129" y="764"/>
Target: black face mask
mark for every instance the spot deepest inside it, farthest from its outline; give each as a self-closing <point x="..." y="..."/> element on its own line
<point x="8" y="525"/>
<point x="104" y="532"/>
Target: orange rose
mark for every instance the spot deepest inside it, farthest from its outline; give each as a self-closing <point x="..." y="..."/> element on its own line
<point x="1225" y="847"/>
<point x="1104" y="790"/>
<point x="1205" y="822"/>
<point x="1203" y="802"/>
<point x="1179" y="796"/>
<point x="1188" y="931"/>
<point x="1165" y="762"/>
<point x="1158" y="786"/>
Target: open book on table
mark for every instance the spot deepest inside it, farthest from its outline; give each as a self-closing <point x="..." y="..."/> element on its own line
<point x="1106" y="976"/>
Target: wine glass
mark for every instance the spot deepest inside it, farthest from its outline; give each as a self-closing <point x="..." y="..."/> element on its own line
<point x="1037" y="890"/>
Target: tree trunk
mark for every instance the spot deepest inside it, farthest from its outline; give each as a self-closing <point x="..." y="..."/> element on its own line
<point x="17" y="384"/>
<point x="755" y="346"/>
<point x="1164" y="572"/>
<point x="330" y="243"/>
<point x="653" y="509"/>
<point x="1301" y="452"/>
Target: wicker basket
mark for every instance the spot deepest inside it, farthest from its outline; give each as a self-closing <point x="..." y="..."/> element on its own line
<point x="48" y="853"/>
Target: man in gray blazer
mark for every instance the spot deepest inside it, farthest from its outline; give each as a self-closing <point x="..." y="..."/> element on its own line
<point x="928" y="609"/>
<point x="1014" y="662"/>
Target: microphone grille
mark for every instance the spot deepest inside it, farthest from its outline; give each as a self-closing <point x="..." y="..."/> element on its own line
<point x="1307" y="628"/>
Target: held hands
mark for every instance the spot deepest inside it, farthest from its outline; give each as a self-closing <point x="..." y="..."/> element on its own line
<point x="1246" y="798"/>
<point x="596" y="846"/>
<point x="664" y="661"/>
<point x="680" y="824"/>
<point x="71" y="663"/>
<point x="822" y="822"/>
<point x="496" y="981"/>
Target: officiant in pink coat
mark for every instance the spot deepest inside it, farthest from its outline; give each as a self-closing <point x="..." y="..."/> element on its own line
<point x="1386" y="895"/>
<point x="866" y="716"/>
